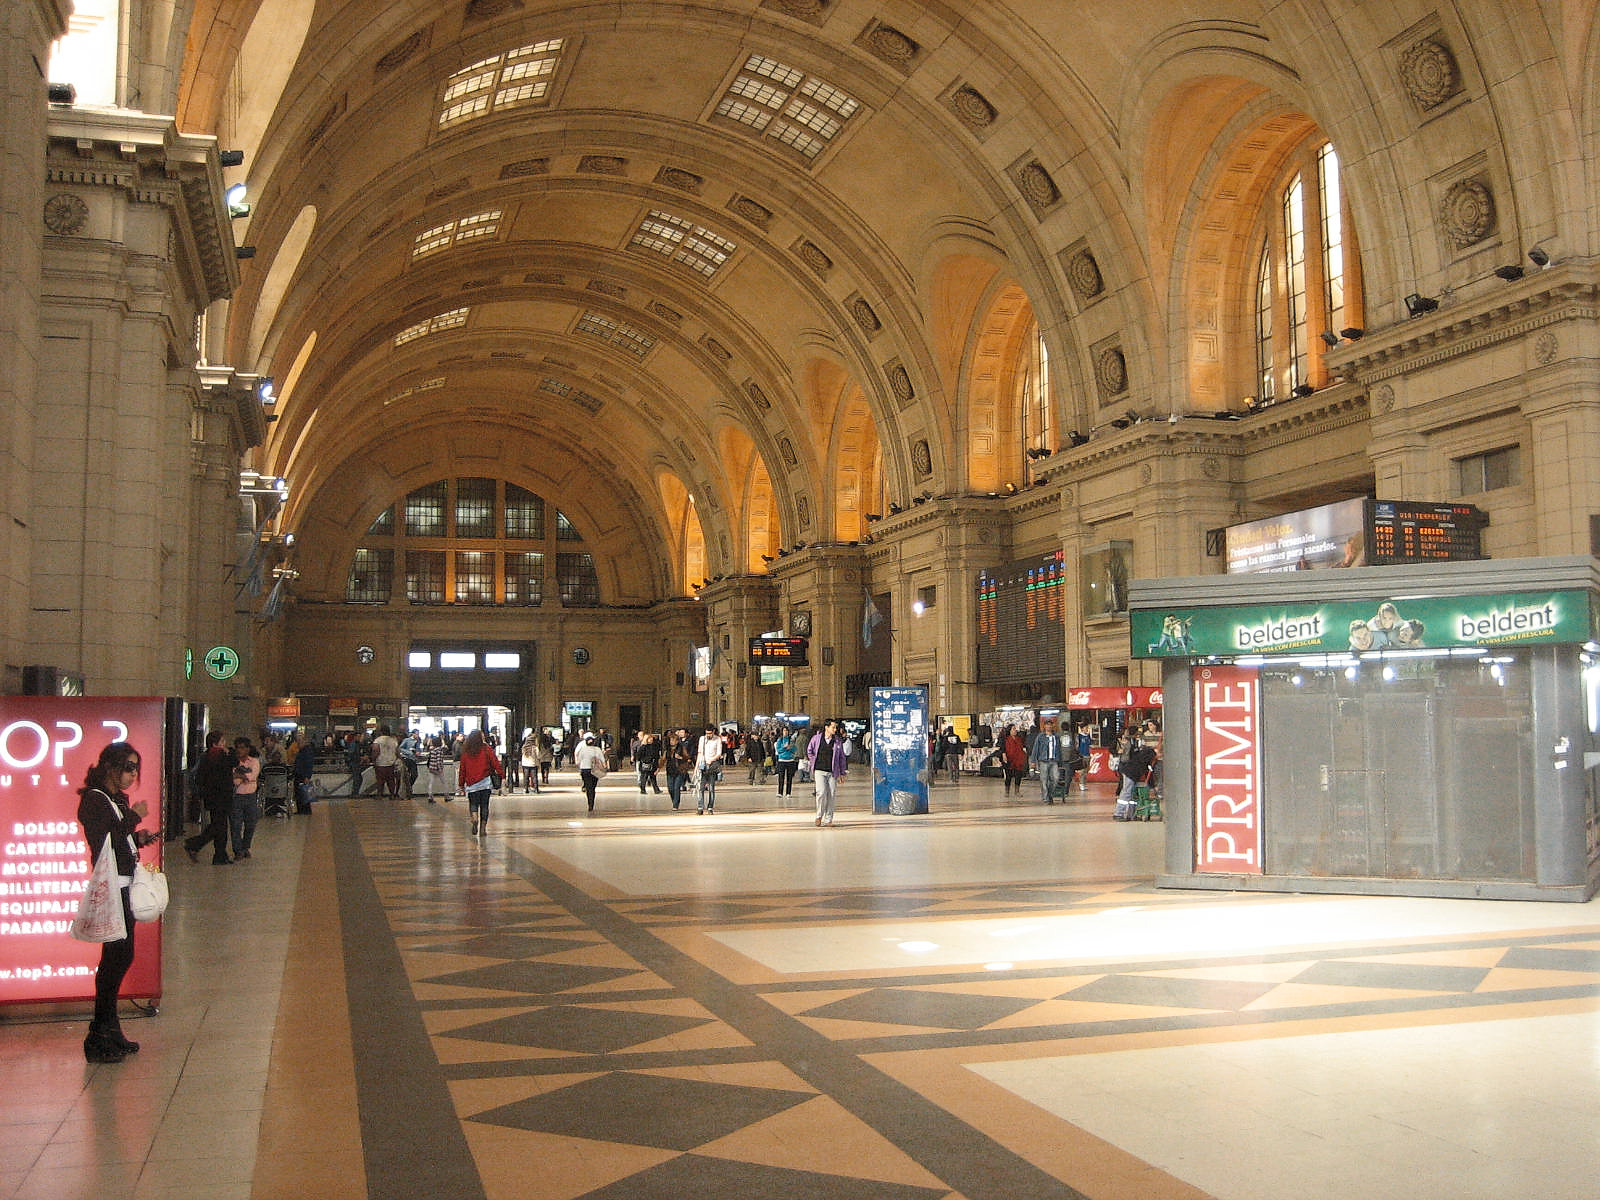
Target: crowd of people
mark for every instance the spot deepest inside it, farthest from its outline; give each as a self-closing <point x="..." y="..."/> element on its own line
<point x="226" y="785"/>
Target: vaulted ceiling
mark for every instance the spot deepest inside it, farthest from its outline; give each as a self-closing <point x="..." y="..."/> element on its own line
<point x="620" y="251"/>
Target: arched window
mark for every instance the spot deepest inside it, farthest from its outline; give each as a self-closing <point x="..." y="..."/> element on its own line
<point x="1307" y="276"/>
<point x="472" y="541"/>
<point x="1035" y="403"/>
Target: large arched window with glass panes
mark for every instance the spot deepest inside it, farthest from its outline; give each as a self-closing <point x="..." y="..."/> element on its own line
<point x="473" y="541"/>
<point x="1307" y="276"/>
<point x="1036" y="416"/>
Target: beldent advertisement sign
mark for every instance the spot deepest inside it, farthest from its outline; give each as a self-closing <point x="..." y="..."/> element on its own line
<point x="47" y="745"/>
<point x="1357" y="626"/>
<point x="1227" y="770"/>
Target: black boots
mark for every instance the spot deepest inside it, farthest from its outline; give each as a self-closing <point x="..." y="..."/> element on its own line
<point x="107" y="1046"/>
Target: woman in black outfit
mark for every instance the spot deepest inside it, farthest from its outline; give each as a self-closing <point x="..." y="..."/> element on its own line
<point x="103" y="809"/>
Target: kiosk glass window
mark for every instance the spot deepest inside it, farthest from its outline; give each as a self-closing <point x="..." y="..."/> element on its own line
<point x="1402" y="767"/>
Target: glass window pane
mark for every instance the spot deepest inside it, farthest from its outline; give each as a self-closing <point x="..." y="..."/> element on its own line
<point x="425" y="576"/>
<point x="419" y="660"/>
<point x="371" y="573"/>
<point x="457" y="660"/>
<point x="502" y="661"/>
<point x="474" y="577"/>
<point x="425" y="511"/>
<point x="576" y="581"/>
<point x="566" y="531"/>
<point x="524" y="513"/>
<point x="475" y="508"/>
<point x="524" y="577"/>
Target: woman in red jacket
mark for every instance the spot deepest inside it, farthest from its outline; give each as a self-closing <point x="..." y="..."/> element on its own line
<point x="480" y="772"/>
<point x="1014" y="759"/>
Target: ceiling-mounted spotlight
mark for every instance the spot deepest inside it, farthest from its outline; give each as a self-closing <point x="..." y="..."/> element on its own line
<point x="1303" y="389"/>
<point x="919" y="499"/>
<point x="61" y="93"/>
<point x="874" y="516"/>
<point x="1121" y="423"/>
<point x="1417" y="304"/>
<point x="230" y="158"/>
<point x="1510" y="273"/>
<point x="1077" y="439"/>
<point x="1330" y="337"/>
<point x="1539" y="256"/>
<point x="895" y="508"/>
<point x="766" y="558"/>
<point x="1353" y="334"/>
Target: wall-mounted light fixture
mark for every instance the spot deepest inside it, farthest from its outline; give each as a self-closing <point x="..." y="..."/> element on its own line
<point x="1539" y="256"/>
<point x="230" y="158"/>
<point x="1075" y="438"/>
<point x="61" y="93"/>
<point x="1303" y="389"/>
<point x="1510" y="273"/>
<point x="1330" y="337"/>
<point x="1417" y="304"/>
<point x="1353" y="334"/>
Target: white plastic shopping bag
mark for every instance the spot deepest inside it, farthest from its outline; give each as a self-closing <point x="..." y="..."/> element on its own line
<point x="99" y="916"/>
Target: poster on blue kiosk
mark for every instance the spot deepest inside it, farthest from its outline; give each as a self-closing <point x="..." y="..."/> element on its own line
<point x="899" y="751"/>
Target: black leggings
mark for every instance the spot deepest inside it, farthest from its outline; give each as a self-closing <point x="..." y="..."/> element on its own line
<point x="786" y="774"/>
<point x="115" y="959"/>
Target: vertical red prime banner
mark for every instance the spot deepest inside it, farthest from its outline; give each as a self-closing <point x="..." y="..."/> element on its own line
<point x="47" y="745"/>
<point x="1227" y="770"/>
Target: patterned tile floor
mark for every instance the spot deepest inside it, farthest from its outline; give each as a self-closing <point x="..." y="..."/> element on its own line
<point x="989" y="1003"/>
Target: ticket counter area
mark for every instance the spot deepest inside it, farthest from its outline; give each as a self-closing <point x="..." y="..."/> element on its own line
<point x="1412" y="731"/>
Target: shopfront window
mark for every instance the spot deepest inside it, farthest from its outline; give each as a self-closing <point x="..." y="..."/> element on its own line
<point x="1400" y="766"/>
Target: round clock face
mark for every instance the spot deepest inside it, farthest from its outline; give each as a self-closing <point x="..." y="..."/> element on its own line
<point x="365" y="654"/>
<point x="800" y="622"/>
<point x="580" y="655"/>
<point x="65" y="214"/>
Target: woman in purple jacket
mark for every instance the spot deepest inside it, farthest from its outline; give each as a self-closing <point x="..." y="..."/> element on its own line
<point x="829" y="761"/>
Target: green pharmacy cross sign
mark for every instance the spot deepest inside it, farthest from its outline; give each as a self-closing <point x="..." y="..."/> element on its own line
<point x="222" y="662"/>
<point x="1359" y="626"/>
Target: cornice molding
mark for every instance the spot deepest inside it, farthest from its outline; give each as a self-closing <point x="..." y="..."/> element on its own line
<point x="1559" y="293"/>
<point x="144" y="155"/>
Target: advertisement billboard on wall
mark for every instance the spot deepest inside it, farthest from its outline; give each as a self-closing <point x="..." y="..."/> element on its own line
<point x="47" y="745"/>
<point x="1357" y="626"/>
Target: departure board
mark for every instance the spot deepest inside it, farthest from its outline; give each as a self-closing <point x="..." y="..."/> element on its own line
<point x="1403" y="531"/>
<point x="1022" y="620"/>
<point x="789" y="651"/>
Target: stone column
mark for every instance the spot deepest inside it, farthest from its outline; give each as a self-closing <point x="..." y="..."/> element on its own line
<point x="27" y="27"/>
<point x="139" y="246"/>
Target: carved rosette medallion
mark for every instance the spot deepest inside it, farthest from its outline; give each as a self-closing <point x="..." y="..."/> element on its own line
<point x="1467" y="213"/>
<point x="1429" y="74"/>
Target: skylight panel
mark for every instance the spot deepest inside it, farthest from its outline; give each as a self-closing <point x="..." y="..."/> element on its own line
<point x="453" y="319"/>
<point x="684" y="242"/>
<point x="616" y="333"/>
<point x="518" y="77"/>
<point x="799" y="111"/>
<point x="442" y="237"/>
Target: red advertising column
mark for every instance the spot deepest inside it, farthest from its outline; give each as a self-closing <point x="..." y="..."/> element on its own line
<point x="47" y="745"/>
<point x="1227" y="770"/>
